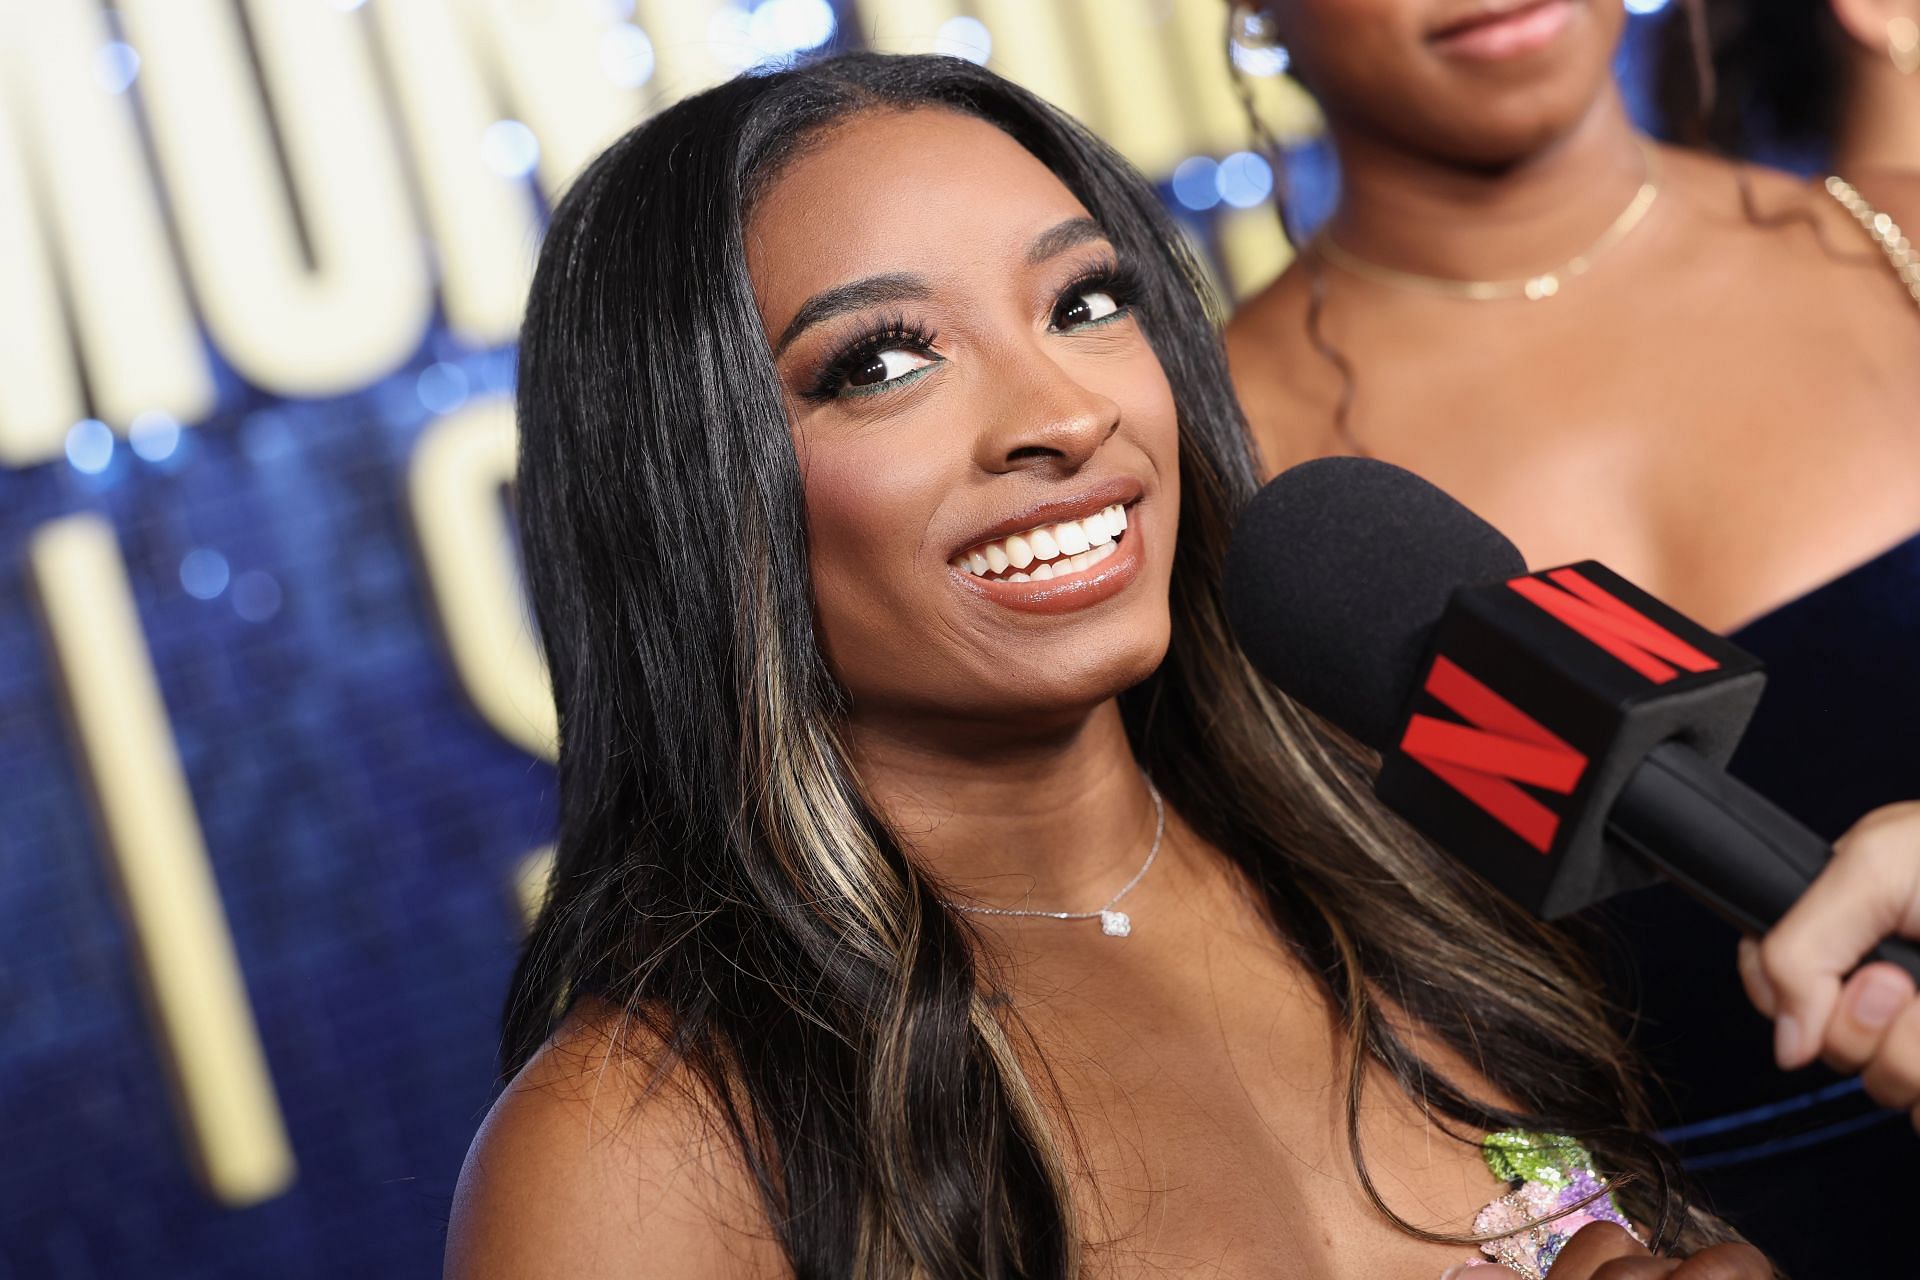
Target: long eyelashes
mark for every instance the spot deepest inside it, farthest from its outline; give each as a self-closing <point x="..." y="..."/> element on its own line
<point x="1119" y="282"/>
<point x="834" y="377"/>
<point x="1073" y="310"/>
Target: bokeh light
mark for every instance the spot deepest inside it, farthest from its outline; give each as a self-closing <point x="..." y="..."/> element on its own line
<point x="771" y="33"/>
<point x="442" y="387"/>
<point x="1259" y="59"/>
<point x="1196" y="182"/>
<point x="964" y="37"/>
<point x="154" y="435"/>
<point x="89" y="446"/>
<point x="115" y="64"/>
<point x="626" y="55"/>
<point x="510" y="149"/>
<point x="203" y="573"/>
<point x="1244" y="180"/>
<point x="256" y="595"/>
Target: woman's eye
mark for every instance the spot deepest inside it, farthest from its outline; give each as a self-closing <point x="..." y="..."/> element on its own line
<point x="886" y="366"/>
<point x="1085" y="308"/>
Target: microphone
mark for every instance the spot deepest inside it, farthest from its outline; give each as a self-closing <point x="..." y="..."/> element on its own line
<point x="1563" y="733"/>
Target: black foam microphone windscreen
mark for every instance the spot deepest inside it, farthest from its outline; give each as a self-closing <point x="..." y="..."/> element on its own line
<point x="1337" y="575"/>
<point x="1562" y="732"/>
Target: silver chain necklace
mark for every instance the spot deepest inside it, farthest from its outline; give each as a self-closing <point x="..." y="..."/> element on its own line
<point x="1115" y="924"/>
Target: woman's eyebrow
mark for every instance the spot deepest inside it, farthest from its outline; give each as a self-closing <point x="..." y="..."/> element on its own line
<point x="903" y="286"/>
<point x="1062" y="236"/>
<point x="898" y="286"/>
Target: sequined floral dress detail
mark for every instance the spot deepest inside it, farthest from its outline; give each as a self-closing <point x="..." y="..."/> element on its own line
<point x="1545" y="1174"/>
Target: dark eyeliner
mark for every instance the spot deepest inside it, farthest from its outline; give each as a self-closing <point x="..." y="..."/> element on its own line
<point x="1118" y="280"/>
<point x="896" y="331"/>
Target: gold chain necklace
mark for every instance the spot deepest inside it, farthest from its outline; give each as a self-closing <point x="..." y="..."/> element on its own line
<point x="1534" y="288"/>
<point x="1885" y="232"/>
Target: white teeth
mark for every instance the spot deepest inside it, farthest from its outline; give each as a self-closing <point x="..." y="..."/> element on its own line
<point x="1072" y="545"/>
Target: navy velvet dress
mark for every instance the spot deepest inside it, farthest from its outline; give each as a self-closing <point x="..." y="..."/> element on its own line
<point x="1804" y="1164"/>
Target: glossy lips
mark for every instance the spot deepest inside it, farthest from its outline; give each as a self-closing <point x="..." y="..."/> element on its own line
<point x="1505" y="31"/>
<point x="1055" y="577"/>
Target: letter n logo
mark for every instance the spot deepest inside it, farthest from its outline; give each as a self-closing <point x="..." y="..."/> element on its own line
<point x="1614" y="625"/>
<point x="1499" y="747"/>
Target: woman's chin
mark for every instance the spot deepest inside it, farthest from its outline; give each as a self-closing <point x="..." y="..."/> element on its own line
<point x="1079" y="684"/>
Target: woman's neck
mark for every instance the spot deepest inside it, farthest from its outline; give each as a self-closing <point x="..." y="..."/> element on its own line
<point x="1880" y="124"/>
<point x="1416" y="213"/>
<point x="1056" y="822"/>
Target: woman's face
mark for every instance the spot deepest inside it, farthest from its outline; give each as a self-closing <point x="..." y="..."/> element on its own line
<point x="988" y="443"/>
<point x="1467" y="81"/>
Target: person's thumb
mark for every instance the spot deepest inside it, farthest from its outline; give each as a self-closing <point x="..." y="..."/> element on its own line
<point x="1602" y="1244"/>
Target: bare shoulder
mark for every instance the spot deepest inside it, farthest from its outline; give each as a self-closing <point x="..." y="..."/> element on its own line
<point x="1287" y="392"/>
<point x="590" y="1164"/>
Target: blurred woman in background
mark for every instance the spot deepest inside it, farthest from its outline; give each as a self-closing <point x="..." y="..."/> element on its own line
<point x="1826" y="81"/>
<point x="1702" y="374"/>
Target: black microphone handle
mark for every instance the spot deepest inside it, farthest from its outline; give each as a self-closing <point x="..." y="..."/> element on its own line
<point x="1725" y="843"/>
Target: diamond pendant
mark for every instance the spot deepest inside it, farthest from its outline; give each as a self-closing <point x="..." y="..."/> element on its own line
<point x="1116" y="924"/>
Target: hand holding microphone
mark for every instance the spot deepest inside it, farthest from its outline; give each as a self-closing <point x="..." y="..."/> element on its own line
<point x="1602" y="1251"/>
<point x="1563" y="733"/>
<point x="1798" y="974"/>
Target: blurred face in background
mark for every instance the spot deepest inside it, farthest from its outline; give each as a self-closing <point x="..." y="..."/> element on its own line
<point x="1477" y="82"/>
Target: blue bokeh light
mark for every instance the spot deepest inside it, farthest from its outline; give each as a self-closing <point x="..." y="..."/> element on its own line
<point x="442" y="387"/>
<point x="964" y="37"/>
<point x="256" y="595"/>
<point x="1645" y="7"/>
<point x="626" y="55"/>
<point x="115" y="64"/>
<point x="154" y="435"/>
<point x="89" y="446"/>
<point x="769" y="34"/>
<point x="510" y="149"/>
<point x="203" y="573"/>
<point x="1260" y="59"/>
<point x="783" y="27"/>
<point x="1244" y="180"/>
<point x="1196" y="182"/>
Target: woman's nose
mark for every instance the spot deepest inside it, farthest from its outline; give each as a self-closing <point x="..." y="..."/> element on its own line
<point x="1047" y="415"/>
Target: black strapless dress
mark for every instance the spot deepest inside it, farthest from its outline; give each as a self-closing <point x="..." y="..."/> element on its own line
<point x="1804" y="1164"/>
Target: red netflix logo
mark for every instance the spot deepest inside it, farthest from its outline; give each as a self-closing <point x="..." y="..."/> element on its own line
<point x="1497" y="748"/>
<point x="1615" y="626"/>
<point x="1500" y="749"/>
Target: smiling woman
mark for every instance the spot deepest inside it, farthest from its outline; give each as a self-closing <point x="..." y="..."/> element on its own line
<point x="817" y="365"/>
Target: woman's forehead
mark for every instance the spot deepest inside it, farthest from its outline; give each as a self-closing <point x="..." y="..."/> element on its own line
<point x="929" y="191"/>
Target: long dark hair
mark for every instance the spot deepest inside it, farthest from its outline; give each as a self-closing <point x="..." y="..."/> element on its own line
<point x="1734" y="75"/>
<point x="719" y="875"/>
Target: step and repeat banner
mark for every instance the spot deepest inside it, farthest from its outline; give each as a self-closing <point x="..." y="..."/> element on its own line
<point x="275" y="743"/>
